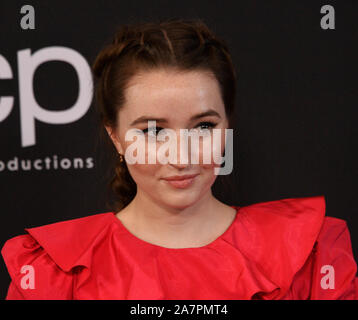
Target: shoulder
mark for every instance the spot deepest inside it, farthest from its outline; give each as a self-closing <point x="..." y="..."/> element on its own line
<point x="279" y="223"/>
<point x="330" y="271"/>
<point x="293" y="243"/>
<point x="332" y="229"/>
<point x="63" y="241"/>
<point x="51" y="254"/>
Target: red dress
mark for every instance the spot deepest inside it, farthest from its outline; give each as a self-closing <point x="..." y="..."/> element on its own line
<point x="282" y="249"/>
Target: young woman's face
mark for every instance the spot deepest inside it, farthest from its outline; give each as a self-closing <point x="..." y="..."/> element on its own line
<point x="176" y="101"/>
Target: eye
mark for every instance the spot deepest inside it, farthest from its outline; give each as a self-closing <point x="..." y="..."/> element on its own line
<point x="206" y="125"/>
<point x="154" y="130"/>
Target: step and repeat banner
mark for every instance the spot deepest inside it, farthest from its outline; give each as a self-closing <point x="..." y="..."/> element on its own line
<point x="296" y="133"/>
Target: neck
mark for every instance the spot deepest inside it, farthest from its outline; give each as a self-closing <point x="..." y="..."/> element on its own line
<point x="174" y="226"/>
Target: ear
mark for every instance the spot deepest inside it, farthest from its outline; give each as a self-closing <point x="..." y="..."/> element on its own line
<point x="115" y="139"/>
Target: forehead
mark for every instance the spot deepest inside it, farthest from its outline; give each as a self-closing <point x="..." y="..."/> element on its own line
<point x="168" y="93"/>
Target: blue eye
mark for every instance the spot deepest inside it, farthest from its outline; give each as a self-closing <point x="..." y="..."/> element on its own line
<point x="202" y="125"/>
<point x="155" y="130"/>
<point x="206" y="125"/>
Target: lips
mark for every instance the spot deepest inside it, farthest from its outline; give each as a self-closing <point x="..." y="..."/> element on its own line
<point x="181" y="182"/>
<point x="179" y="178"/>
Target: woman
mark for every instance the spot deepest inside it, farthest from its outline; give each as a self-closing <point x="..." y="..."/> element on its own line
<point x="168" y="237"/>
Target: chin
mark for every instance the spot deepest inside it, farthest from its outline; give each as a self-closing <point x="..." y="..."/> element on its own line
<point x="180" y="201"/>
<point x="179" y="205"/>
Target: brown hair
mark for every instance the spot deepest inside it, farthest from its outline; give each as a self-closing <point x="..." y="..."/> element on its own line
<point x="184" y="45"/>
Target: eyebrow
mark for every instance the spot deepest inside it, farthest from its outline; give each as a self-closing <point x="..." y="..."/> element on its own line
<point x="163" y="120"/>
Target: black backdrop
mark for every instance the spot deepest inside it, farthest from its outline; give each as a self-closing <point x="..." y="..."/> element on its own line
<point x="297" y="106"/>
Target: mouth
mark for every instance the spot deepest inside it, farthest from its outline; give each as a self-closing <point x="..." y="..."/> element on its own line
<point x="181" y="182"/>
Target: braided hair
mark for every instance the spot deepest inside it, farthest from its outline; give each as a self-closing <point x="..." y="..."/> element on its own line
<point x="185" y="45"/>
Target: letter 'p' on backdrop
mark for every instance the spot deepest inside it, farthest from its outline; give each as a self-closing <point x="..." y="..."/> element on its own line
<point x="296" y="129"/>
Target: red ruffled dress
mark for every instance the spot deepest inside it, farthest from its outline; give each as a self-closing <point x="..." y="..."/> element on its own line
<point x="282" y="249"/>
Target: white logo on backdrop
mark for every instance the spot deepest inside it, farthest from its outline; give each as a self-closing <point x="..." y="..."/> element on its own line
<point x="30" y="110"/>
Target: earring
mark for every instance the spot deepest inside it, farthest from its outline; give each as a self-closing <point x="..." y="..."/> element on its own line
<point x="120" y="157"/>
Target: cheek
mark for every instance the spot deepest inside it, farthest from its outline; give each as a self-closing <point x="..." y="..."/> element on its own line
<point x="142" y="173"/>
<point x="216" y="149"/>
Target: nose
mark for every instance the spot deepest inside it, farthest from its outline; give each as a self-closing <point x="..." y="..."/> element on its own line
<point x="183" y="152"/>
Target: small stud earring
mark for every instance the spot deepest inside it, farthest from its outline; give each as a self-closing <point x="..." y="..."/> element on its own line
<point x="120" y="158"/>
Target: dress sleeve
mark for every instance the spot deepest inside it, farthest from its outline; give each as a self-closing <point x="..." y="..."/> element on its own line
<point x="334" y="266"/>
<point x="34" y="275"/>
